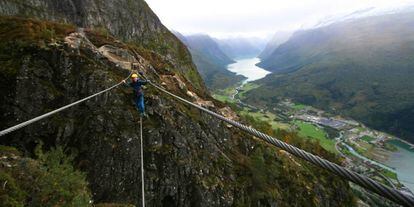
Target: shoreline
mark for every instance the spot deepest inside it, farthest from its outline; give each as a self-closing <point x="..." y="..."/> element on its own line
<point x="405" y="142"/>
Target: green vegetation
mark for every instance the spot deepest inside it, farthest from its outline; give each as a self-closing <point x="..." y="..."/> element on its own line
<point x="390" y="147"/>
<point x="247" y="87"/>
<point x="389" y="174"/>
<point x="298" y="106"/>
<point x="211" y="62"/>
<point x="50" y="180"/>
<point x="215" y="75"/>
<point x="308" y="130"/>
<point x="32" y="31"/>
<point x="396" y="142"/>
<point x="225" y="95"/>
<point x="367" y="138"/>
<point x="268" y="117"/>
<point x="223" y="98"/>
<point x="267" y="172"/>
<point x="353" y="68"/>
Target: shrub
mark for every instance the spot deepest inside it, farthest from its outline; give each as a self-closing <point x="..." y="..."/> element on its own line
<point x="51" y="180"/>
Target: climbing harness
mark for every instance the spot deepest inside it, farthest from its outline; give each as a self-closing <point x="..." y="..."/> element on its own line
<point x="364" y="181"/>
<point x="142" y="163"/>
<point x="31" y="121"/>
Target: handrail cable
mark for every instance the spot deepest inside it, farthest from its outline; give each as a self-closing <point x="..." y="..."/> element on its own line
<point x="38" y="118"/>
<point x="364" y="181"/>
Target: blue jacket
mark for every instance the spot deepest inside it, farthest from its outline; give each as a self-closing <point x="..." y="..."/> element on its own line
<point x="137" y="86"/>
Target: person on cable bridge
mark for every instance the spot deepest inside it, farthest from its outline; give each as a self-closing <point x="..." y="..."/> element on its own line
<point x="136" y="84"/>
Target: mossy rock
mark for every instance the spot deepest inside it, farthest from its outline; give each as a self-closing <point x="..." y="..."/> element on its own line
<point x="10" y="193"/>
<point x="32" y="31"/>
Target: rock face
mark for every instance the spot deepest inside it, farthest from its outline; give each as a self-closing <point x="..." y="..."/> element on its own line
<point x="190" y="158"/>
<point x="128" y="20"/>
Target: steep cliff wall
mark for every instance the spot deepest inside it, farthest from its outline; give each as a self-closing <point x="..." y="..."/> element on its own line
<point x="128" y="20"/>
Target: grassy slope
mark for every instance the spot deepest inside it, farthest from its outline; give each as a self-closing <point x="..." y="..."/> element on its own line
<point x="308" y="130"/>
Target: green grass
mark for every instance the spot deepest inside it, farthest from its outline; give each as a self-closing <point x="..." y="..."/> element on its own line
<point x="229" y="91"/>
<point x="223" y="98"/>
<point x="308" y="130"/>
<point x="224" y="95"/>
<point x="247" y="87"/>
<point x="361" y="129"/>
<point x="389" y="174"/>
<point x="367" y="138"/>
<point x="266" y="117"/>
<point x="298" y="106"/>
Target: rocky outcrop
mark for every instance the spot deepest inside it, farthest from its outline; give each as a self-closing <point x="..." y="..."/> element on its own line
<point x="131" y="21"/>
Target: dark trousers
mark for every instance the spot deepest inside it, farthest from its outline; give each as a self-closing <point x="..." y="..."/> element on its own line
<point x="139" y="102"/>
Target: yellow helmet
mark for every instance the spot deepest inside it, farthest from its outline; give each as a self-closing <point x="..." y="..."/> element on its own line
<point x="134" y="76"/>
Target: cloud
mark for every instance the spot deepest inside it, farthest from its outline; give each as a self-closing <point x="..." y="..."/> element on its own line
<point x="254" y="17"/>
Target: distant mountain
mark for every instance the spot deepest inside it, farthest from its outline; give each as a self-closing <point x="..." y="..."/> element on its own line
<point x="210" y="60"/>
<point x="241" y="47"/>
<point x="208" y="47"/>
<point x="362" y="68"/>
<point x="366" y="12"/>
<point x="277" y="39"/>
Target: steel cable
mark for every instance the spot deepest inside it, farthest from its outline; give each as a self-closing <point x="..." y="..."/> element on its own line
<point x="38" y="118"/>
<point x="364" y="181"/>
<point x="142" y="164"/>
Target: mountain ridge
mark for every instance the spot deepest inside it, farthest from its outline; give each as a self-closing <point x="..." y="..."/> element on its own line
<point x="360" y="68"/>
<point x="240" y="47"/>
<point x="211" y="61"/>
<point x="277" y="39"/>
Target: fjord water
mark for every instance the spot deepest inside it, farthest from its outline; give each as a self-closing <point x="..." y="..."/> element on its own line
<point x="402" y="161"/>
<point x="247" y="67"/>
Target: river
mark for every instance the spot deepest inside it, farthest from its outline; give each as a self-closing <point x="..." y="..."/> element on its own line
<point x="247" y="67"/>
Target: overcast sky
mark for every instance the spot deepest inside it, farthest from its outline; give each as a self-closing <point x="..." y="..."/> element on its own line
<point x="223" y="18"/>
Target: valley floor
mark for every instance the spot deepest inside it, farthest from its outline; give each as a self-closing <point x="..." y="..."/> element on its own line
<point x="364" y="150"/>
